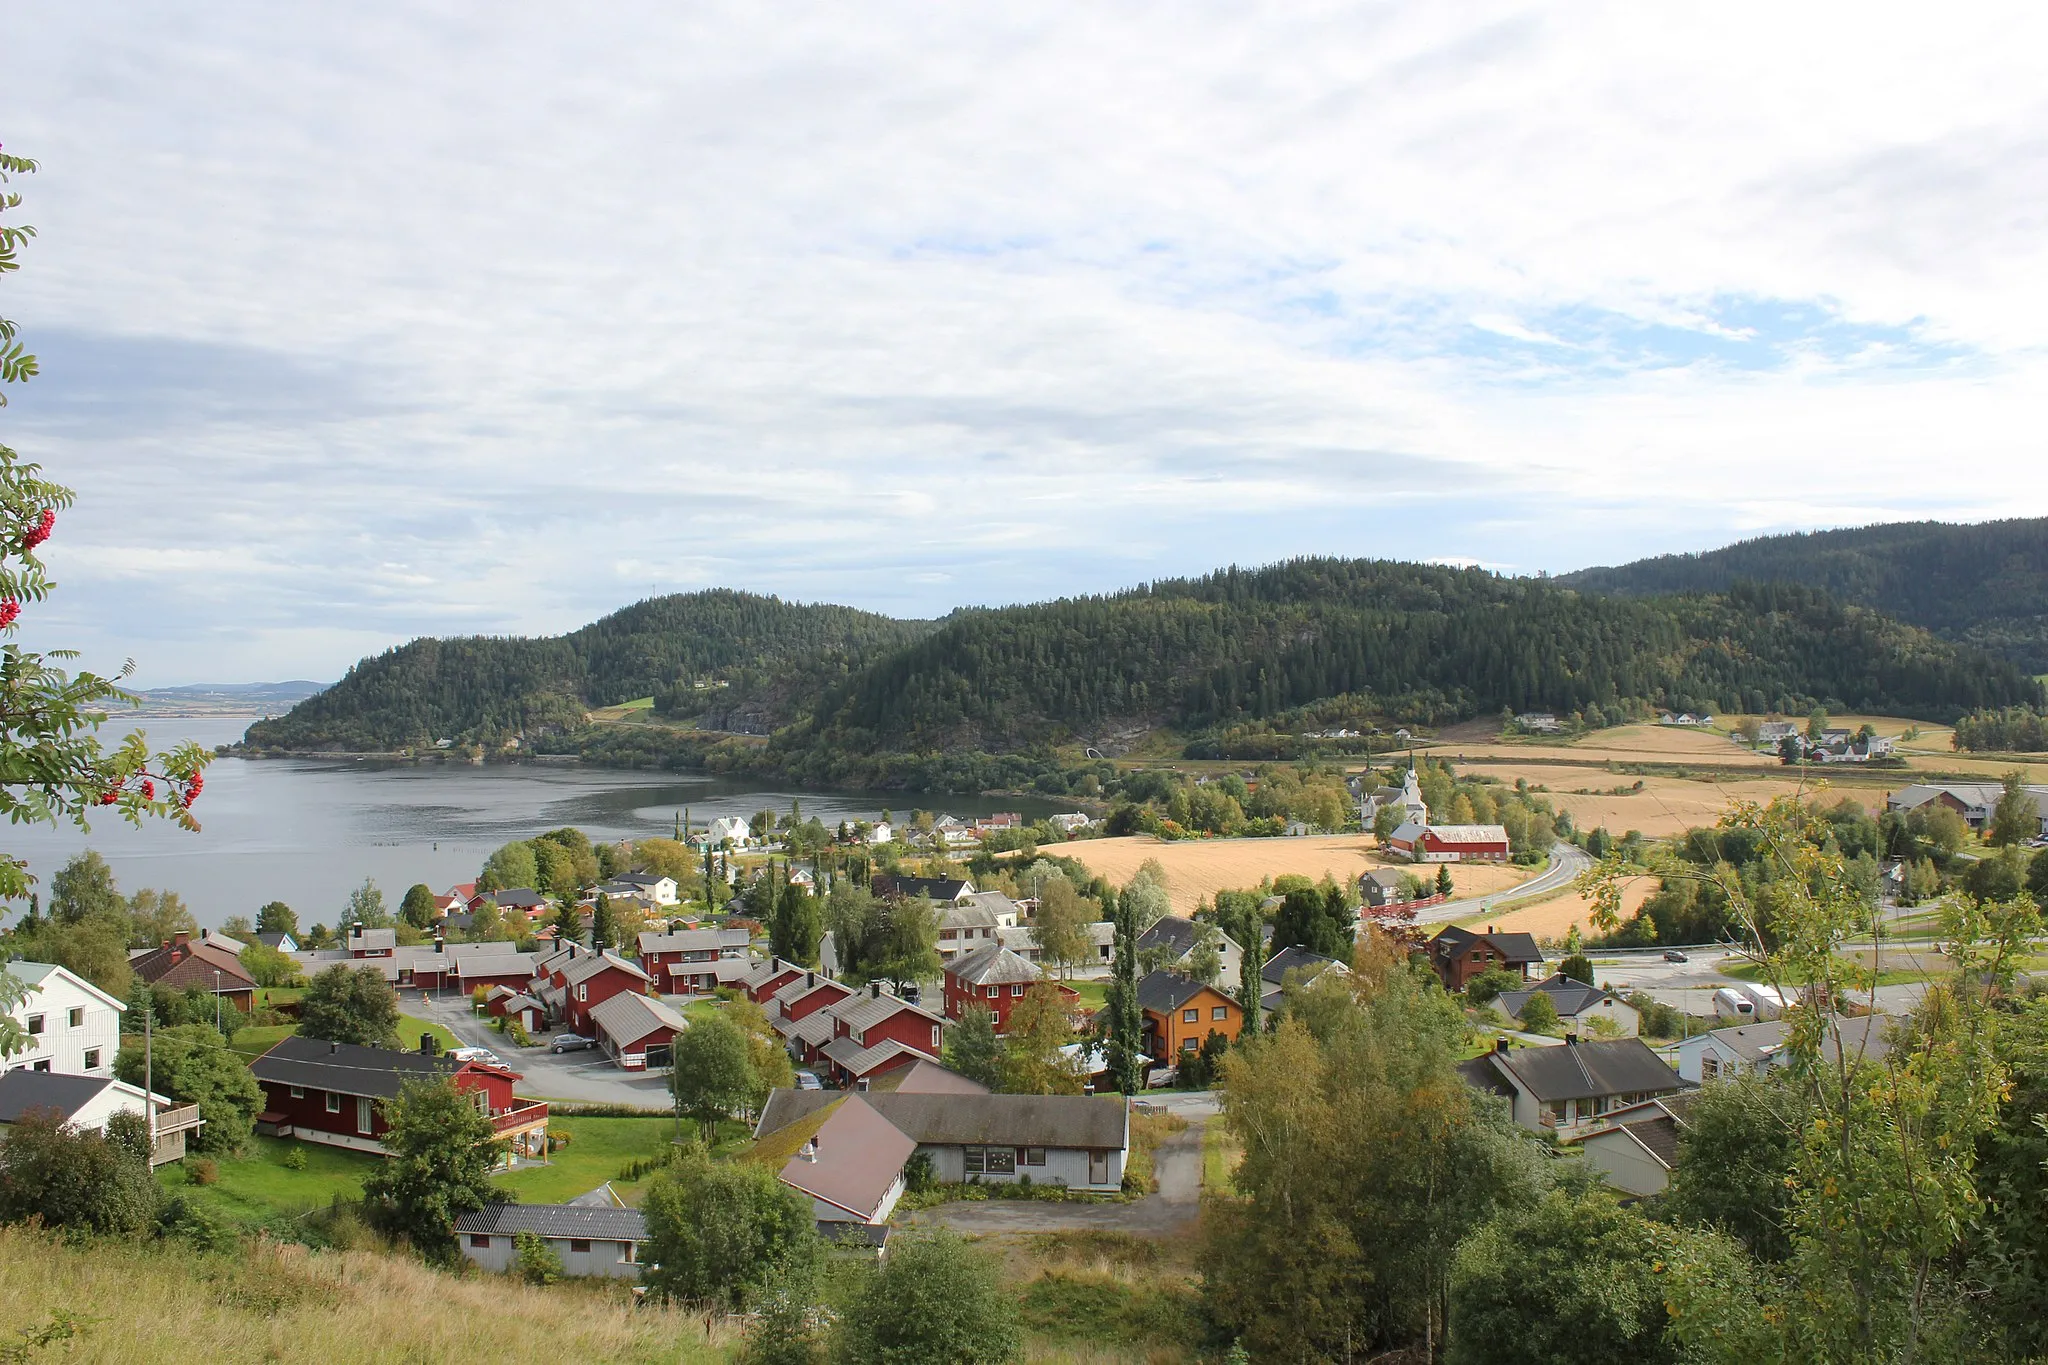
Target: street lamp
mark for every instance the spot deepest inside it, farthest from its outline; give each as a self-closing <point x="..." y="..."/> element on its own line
<point x="216" y="1000"/>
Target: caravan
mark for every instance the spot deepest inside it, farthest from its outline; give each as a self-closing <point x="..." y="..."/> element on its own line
<point x="1746" y="1003"/>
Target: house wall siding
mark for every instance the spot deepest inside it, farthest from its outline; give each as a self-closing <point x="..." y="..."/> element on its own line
<point x="61" y="1045"/>
<point x="605" y="1258"/>
<point x="1624" y="1163"/>
<point x="1063" y="1165"/>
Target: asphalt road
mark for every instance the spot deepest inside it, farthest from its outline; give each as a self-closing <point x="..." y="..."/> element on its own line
<point x="1567" y="861"/>
<point x="577" y="1077"/>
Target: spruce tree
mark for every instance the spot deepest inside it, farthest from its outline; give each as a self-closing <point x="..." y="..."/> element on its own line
<point x="604" y="924"/>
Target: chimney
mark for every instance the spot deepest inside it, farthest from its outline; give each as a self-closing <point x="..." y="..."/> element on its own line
<point x="1489" y="928"/>
<point x="861" y="1084"/>
<point x="810" y="980"/>
<point x="1571" y="1040"/>
<point x="874" y="990"/>
<point x="810" y="1150"/>
<point x="426" y="1045"/>
<point x="1500" y="1045"/>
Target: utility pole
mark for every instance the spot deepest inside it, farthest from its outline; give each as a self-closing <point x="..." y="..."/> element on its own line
<point x="149" y="1069"/>
<point x="216" y="1001"/>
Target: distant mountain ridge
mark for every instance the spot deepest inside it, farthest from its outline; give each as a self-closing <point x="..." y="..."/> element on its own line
<point x="1240" y="647"/>
<point x="1984" y="584"/>
<point x="227" y="699"/>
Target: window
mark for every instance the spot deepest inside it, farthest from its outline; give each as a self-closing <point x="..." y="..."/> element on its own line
<point x="583" y="992"/>
<point x="627" y="1253"/>
<point x="35" y="1026"/>
<point x="1002" y="1160"/>
<point x="972" y="1160"/>
<point x="480" y="1240"/>
<point x="298" y="1092"/>
<point x="43" y="1065"/>
<point x="581" y="1244"/>
<point x="1219" y="1011"/>
<point x="92" y="1058"/>
<point x="74" y="1017"/>
<point x="1034" y="1156"/>
<point x="362" y="1113"/>
<point x="333" y="1103"/>
<point x="1710" y="1067"/>
<point x="935" y="1036"/>
<point x="1188" y="1045"/>
<point x="1193" y="1016"/>
<point x="1017" y="990"/>
<point x="994" y="991"/>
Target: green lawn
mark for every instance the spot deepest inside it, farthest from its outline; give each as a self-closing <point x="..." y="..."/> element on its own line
<point x="1219" y="1158"/>
<point x="598" y="1149"/>
<point x="1094" y="994"/>
<point x="410" y="1029"/>
<point x="1751" y="971"/>
<point x="252" y="1043"/>
<point x="258" y="1185"/>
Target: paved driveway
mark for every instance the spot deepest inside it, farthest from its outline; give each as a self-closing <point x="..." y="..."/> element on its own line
<point x="1567" y="861"/>
<point x="577" y="1077"/>
<point x="1177" y="1204"/>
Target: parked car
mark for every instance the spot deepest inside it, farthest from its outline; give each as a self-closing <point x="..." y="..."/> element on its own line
<point x="1673" y="955"/>
<point x="475" y="1054"/>
<point x="570" y="1042"/>
<point x="806" y="1081"/>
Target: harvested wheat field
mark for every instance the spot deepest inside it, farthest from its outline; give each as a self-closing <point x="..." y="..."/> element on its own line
<point x="1198" y="868"/>
<point x="1622" y="744"/>
<point x="1665" y="805"/>
<point x="1551" y="919"/>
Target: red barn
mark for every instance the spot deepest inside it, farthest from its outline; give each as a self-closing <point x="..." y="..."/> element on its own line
<point x="334" y="1093"/>
<point x="1451" y="843"/>
<point x="996" y="977"/>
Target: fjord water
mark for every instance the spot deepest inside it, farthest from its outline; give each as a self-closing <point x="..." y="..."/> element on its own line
<point x="307" y="831"/>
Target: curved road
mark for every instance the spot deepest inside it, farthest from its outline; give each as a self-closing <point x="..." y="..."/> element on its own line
<point x="1567" y="861"/>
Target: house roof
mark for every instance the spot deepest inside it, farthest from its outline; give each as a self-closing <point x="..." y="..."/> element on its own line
<point x="1586" y="1070"/>
<point x="855" y="1159"/>
<point x="760" y="974"/>
<point x="693" y="941"/>
<point x="372" y="940"/>
<point x="1296" y="959"/>
<point x="276" y="941"/>
<point x="1163" y="992"/>
<point x="1386" y="877"/>
<point x="348" y="1069"/>
<point x="556" y="1220"/>
<point x="1177" y="935"/>
<point x="866" y="1010"/>
<point x="1753" y="1042"/>
<point x="519" y="898"/>
<point x="992" y="965"/>
<point x="793" y="991"/>
<point x="1569" y="995"/>
<point x="643" y="879"/>
<point x="924" y="1077"/>
<point x="966" y="915"/>
<point x="952" y="1118"/>
<point x="35" y="974"/>
<point x="629" y="1016"/>
<point x="860" y="1061"/>
<point x="1468" y="834"/>
<point x="489" y="959"/>
<point x="192" y="964"/>
<point x="594" y="964"/>
<point x="993" y="901"/>
<point x="22" y="1090"/>
<point x="931" y="888"/>
<point x="1516" y="948"/>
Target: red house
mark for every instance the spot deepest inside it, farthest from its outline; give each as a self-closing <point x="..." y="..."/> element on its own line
<point x="766" y="978"/>
<point x="996" y="977"/>
<point x="183" y="964"/>
<point x="487" y="964"/>
<point x="878" y="1032"/>
<point x="581" y="984"/>
<point x="1451" y="843"/>
<point x="1459" y="954"/>
<point x="334" y="1093"/>
<point x="695" y="961"/>
<point x="636" y="1031"/>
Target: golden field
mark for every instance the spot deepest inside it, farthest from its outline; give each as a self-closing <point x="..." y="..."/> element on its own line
<point x="1552" y="918"/>
<point x="1196" y="869"/>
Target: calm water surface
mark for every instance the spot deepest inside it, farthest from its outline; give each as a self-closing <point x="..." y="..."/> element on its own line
<point x="307" y="831"/>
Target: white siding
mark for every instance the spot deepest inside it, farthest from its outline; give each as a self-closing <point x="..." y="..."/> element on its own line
<point x="605" y="1258"/>
<point x="1625" y="1163"/>
<point x="61" y="1044"/>
<point x="1063" y="1165"/>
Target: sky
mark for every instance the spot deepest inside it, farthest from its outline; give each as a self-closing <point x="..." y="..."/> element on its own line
<point x="365" y="322"/>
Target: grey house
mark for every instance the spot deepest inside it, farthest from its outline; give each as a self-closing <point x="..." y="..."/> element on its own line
<point x="590" y="1239"/>
<point x="1562" y="1089"/>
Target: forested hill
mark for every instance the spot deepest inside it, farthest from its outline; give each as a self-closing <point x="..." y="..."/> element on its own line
<point x="1985" y="585"/>
<point x="484" y="689"/>
<point x="1402" y="640"/>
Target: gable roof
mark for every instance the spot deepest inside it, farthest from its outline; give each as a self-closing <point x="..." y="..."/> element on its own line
<point x="856" y="1157"/>
<point x="925" y="1077"/>
<point x="372" y="940"/>
<point x="348" y="1069"/>
<point x="192" y="964"/>
<point x="1570" y="995"/>
<point x="693" y="941"/>
<point x="1516" y="948"/>
<point x="992" y="965"/>
<point x="1586" y="1070"/>
<point x="1164" y="992"/>
<point x="953" y="1117"/>
<point x="859" y="1061"/>
<point x="965" y="915"/>
<point x="629" y="1016"/>
<point x="36" y="974"/>
<point x="556" y="1220"/>
<point x="1296" y="959"/>
<point x="22" y="1090"/>
<point x="865" y="1010"/>
<point x="931" y="888"/>
<point x="594" y="964"/>
<point x="1177" y="935"/>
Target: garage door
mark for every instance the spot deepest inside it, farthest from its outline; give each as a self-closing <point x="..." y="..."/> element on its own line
<point x="658" y="1054"/>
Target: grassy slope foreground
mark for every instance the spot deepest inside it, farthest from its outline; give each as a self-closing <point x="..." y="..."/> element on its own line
<point x="1985" y="585"/>
<point x="269" y="1303"/>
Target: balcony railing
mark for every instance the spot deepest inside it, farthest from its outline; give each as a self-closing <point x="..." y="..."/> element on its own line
<point x="518" y="1116"/>
<point x="176" y="1118"/>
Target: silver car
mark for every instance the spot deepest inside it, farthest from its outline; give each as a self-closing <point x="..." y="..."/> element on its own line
<point x="570" y="1042"/>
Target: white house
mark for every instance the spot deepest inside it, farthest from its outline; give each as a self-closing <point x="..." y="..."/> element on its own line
<point x="1070" y="822"/>
<point x="590" y="1239"/>
<point x="880" y="832"/>
<point x="73" y="1027"/>
<point x="659" y="889"/>
<point x="88" y="1102"/>
<point x="1578" y="1005"/>
<point x="728" y="828"/>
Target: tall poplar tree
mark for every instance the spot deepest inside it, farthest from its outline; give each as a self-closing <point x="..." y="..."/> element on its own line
<point x="1126" y="1021"/>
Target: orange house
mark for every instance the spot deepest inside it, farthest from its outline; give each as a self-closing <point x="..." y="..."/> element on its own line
<point x="1180" y="1013"/>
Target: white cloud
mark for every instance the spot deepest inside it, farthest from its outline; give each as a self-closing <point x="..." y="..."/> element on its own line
<point x="395" y="319"/>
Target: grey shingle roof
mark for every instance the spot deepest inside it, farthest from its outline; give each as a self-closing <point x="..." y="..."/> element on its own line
<point x="627" y="1017"/>
<point x="1589" y="1070"/>
<point x="937" y="1119"/>
<point x="1162" y="992"/>
<point x="866" y="1010"/>
<point x="346" y="1068"/>
<point x="1295" y="959"/>
<point x="1570" y="995"/>
<point x="1516" y="948"/>
<point x="993" y="965"/>
<point x="583" y="968"/>
<point x="556" y="1220"/>
<point x="22" y="1090"/>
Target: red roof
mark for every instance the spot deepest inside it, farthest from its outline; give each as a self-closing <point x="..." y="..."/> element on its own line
<point x="182" y="964"/>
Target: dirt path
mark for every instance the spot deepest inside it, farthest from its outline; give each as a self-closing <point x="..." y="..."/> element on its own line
<point x="1179" y="1200"/>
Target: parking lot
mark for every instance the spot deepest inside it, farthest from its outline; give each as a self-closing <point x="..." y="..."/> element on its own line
<point x="576" y="1077"/>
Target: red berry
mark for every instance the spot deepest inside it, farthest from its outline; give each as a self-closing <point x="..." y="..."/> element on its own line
<point x="40" y="532"/>
<point x="198" y="783"/>
<point x="107" y="798"/>
<point x="10" y="611"/>
<point x="148" y="791"/>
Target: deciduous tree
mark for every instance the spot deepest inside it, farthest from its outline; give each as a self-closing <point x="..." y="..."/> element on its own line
<point x="713" y="1077"/>
<point x="350" y="1005"/>
<point x="418" y="908"/>
<point x="720" y="1232"/>
<point x="438" y="1158"/>
<point x="973" y="1049"/>
<point x="191" y="1063"/>
<point x="933" y="1299"/>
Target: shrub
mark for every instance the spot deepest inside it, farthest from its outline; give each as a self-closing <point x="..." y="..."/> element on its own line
<point x="202" y="1170"/>
<point x="75" y="1180"/>
<point x="1539" y="1013"/>
<point x="295" y="1159"/>
<point x="933" y="1299"/>
<point x="1486" y="987"/>
<point x="919" y="1175"/>
<point x="534" y="1260"/>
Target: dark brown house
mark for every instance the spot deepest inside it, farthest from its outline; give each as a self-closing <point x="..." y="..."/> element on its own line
<point x="1458" y="955"/>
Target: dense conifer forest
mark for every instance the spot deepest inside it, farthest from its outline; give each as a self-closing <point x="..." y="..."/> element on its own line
<point x="1985" y="585"/>
<point x="1366" y="638"/>
<point x="482" y="689"/>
